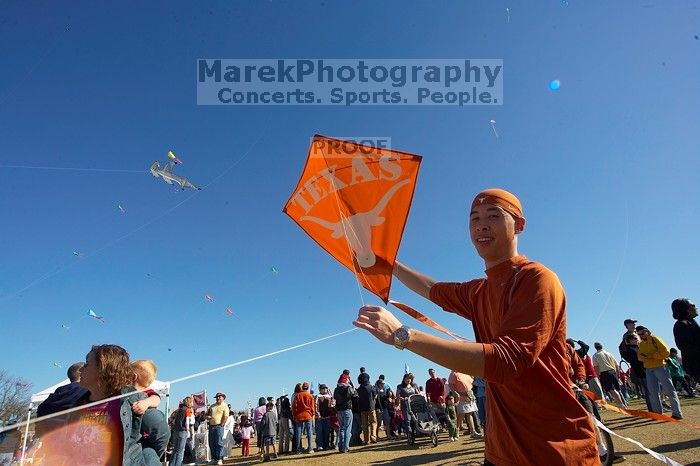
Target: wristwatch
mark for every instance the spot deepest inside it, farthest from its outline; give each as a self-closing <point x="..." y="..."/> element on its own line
<point x="401" y="337"/>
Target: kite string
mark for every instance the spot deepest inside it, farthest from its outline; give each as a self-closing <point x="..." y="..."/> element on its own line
<point x="178" y="380"/>
<point x="263" y="356"/>
<point x="110" y="170"/>
<point x="619" y="273"/>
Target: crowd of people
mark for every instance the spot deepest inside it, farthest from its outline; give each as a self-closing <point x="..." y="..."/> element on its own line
<point x="307" y="422"/>
<point x="654" y="372"/>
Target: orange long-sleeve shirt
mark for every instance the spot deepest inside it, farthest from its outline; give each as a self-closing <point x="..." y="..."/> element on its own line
<point x="519" y="315"/>
<point x="304" y="407"/>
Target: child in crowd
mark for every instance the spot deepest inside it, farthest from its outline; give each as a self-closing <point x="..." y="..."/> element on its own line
<point x="151" y="435"/>
<point x="390" y="407"/>
<point x="623" y="377"/>
<point x="335" y="427"/>
<point x="268" y="428"/>
<point x="144" y="374"/>
<point x="451" y="418"/>
<point x="237" y="433"/>
<point x="678" y="373"/>
<point x="397" y="420"/>
<point x="246" y="432"/>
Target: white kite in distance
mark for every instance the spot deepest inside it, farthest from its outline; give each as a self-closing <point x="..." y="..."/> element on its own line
<point x="493" y="127"/>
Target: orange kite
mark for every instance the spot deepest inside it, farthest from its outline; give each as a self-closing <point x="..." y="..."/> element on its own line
<point x="353" y="200"/>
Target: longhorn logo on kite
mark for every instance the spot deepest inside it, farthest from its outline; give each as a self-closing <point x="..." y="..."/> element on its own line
<point x="358" y="227"/>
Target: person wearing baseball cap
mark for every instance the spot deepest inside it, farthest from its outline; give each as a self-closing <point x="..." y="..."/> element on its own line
<point x="218" y="416"/>
<point x="629" y="325"/>
<point x="519" y="316"/>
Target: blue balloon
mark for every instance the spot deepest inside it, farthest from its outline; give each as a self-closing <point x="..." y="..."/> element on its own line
<point x="554" y="84"/>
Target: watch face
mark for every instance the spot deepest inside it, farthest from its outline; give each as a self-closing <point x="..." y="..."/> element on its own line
<point x="402" y="335"/>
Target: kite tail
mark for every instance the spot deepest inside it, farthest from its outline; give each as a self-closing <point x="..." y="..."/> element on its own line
<point x="419" y="316"/>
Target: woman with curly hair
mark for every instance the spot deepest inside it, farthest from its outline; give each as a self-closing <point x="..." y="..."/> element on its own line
<point x="687" y="335"/>
<point x="108" y="433"/>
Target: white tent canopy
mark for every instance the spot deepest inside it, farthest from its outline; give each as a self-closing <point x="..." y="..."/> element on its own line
<point x="162" y="388"/>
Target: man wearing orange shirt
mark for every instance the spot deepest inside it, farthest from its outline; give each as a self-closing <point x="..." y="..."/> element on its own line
<point x="519" y="317"/>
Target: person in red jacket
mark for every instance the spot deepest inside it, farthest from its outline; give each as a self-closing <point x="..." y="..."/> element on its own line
<point x="435" y="389"/>
<point x="303" y="410"/>
<point x="519" y="316"/>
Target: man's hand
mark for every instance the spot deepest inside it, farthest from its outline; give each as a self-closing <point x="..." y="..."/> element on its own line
<point x="379" y="322"/>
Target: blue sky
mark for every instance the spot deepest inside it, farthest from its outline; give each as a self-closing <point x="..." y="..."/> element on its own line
<point x="606" y="168"/>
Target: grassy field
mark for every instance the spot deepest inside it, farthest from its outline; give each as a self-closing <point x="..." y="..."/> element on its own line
<point x="677" y="441"/>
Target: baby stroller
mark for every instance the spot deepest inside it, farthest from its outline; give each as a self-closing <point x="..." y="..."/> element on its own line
<point x="422" y="419"/>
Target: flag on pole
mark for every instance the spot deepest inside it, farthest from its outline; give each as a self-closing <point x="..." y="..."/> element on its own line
<point x="199" y="401"/>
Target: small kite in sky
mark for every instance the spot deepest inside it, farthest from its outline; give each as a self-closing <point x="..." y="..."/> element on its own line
<point x="493" y="127"/>
<point x="170" y="349"/>
<point x="56" y="364"/>
<point x="121" y="209"/>
<point x="78" y="254"/>
<point x="508" y="15"/>
<point x="554" y="85"/>
<point x="65" y="327"/>
<point x="92" y="314"/>
<point x="273" y="269"/>
<point x="353" y="200"/>
<point x="174" y="157"/>
<point x="166" y="173"/>
<point x="208" y="298"/>
<point x="229" y="311"/>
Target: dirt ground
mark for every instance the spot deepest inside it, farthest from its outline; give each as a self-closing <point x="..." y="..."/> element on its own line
<point x="677" y="441"/>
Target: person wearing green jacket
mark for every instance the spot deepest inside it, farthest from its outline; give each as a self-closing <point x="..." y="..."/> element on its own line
<point x="652" y="353"/>
<point x="677" y="372"/>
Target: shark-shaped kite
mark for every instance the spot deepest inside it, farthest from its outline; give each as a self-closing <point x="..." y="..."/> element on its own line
<point x="166" y="173"/>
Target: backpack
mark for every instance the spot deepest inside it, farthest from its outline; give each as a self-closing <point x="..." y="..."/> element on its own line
<point x="180" y="423"/>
